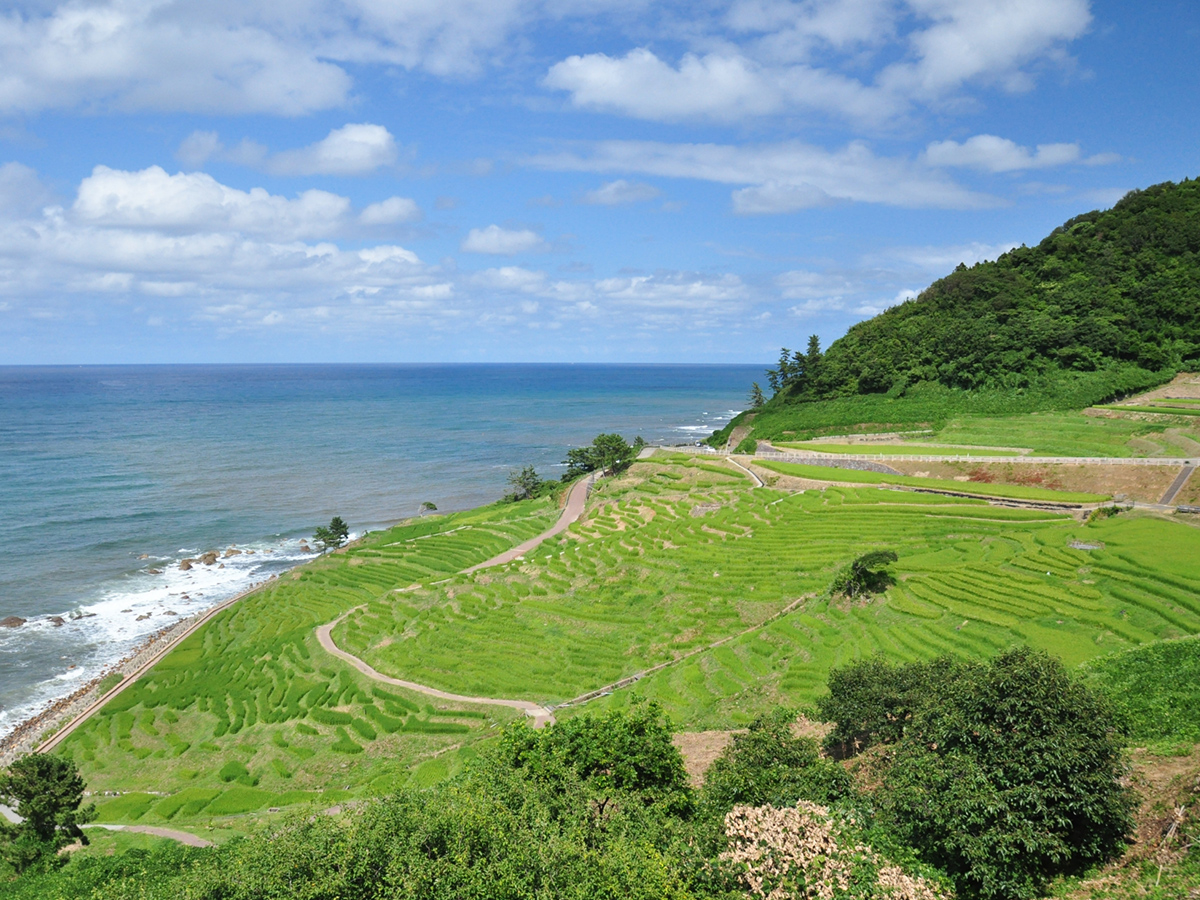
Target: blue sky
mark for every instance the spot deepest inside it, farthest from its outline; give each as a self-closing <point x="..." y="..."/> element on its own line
<point x="524" y="180"/>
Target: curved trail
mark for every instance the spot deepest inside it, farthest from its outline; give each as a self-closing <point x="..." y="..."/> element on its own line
<point x="184" y="837"/>
<point x="576" y="501"/>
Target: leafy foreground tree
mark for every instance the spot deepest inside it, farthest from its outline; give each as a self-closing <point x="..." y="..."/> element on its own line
<point x="47" y="792"/>
<point x="1004" y="774"/>
<point x="333" y="536"/>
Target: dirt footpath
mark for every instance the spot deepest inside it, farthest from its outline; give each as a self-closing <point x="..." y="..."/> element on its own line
<point x="1143" y="483"/>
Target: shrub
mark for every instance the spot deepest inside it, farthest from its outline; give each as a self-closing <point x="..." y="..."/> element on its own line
<point x="1009" y="777"/>
<point x="748" y="445"/>
<point x="872" y="701"/>
<point x="770" y="765"/>
<point x="232" y="771"/>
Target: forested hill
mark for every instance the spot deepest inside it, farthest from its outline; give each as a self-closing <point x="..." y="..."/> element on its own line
<point x="1108" y="289"/>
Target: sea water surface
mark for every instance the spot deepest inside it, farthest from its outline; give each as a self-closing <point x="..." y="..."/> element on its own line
<point x="110" y="475"/>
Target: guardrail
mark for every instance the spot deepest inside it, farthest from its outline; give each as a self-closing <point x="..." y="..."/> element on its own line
<point x="1044" y="460"/>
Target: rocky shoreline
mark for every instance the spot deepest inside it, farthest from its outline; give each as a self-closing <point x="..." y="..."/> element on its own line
<point x="34" y="731"/>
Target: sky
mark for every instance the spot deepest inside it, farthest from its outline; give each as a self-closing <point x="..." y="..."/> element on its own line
<point x="549" y="180"/>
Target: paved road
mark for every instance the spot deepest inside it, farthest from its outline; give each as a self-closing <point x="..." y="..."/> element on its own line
<point x="576" y="501"/>
<point x="1177" y="485"/>
<point x="172" y="834"/>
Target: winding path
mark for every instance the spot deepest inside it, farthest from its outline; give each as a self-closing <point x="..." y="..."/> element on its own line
<point x="171" y="834"/>
<point x="541" y="715"/>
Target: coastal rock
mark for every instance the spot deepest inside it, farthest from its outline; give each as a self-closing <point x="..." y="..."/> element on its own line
<point x="12" y="622"/>
<point x="154" y="571"/>
<point x="185" y="564"/>
<point x="58" y="621"/>
<point x="221" y="566"/>
<point x="209" y="558"/>
<point x="144" y="556"/>
<point x="232" y="551"/>
<point x="142" y="617"/>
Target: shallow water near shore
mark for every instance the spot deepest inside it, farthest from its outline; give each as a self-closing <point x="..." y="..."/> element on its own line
<point x="110" y="475"/>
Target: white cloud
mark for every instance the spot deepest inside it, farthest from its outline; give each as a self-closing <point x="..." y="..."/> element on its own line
<point x="358" y="149"/>
<point x="996" y="154"/>
<point x="393" y="210"/>
<point x="253" y="56"/>
<point x="349" y="150"/>
<point x="723" y="86"/>
<point x="983" y="40"/>
<point x="938" y="261"/>
<point x="621" y="193"/>
<point x="21" y="191"/>
<point x="502" y="241"/>
<point x="783" y="177"/>
<point x="511" y="278"/>
<point x="198" y="148"/>
<point x="197" y="202"/>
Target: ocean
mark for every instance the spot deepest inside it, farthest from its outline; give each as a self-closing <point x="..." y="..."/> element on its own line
<point x="110" y="475"/>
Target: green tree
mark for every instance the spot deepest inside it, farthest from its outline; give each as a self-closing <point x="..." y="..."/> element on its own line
<point x="609" y="454"/>
<point x="756" y="398"/>
<point x="865" y="575"/>
<point x="427" y="506"/>
<point x="769" y="764"/>
<point x="1009" y="776"/>
<point x="46" y="791"/>
<point x="525" y="483"/>
<point x="333" y="536"/>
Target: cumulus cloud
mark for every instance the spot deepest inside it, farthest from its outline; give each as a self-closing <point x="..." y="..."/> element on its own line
<point x="797" y="57"/>
<point x="511" y="278"/>
<point x="621" y="193"/>
<point x="254" y="56"/>
<point x="349" y="150"/>
<point x="782" y="177"/>
<point x="392" y="211"/>
<point x="719" y="86"/>
<point x="153" y="199"/>
<point x="983" y="40"/>
<point x="503" y="242"/>
<point x="996" y="154"/>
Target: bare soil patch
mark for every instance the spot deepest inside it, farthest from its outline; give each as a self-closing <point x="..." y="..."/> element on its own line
<point x="1145" y="483"/>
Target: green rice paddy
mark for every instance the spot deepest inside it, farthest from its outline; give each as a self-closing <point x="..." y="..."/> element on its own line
<point x="1003" y="491"/>
<point x="681" y="563"/>
<point x="896" y="449"/>
<point x="249" y="712"/>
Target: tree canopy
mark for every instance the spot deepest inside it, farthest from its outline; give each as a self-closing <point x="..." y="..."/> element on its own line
<point x="47" y="792"/>
<point x="1113" y="288"/>
<point x="333" y="536"/>
<point x="608" y="454"/>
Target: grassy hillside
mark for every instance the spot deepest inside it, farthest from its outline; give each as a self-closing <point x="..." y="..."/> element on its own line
<point x="249" y="712"/>
<point x="680" y="562"/>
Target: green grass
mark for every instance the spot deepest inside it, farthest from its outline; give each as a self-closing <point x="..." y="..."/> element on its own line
<point x="895" y="449"/>
<point x="1158" y="687"/>
<point x="854" y="476"/>
<point x="645" y="580"/>
<point x="251" y="698"/>
<point x="1062" y="434"/>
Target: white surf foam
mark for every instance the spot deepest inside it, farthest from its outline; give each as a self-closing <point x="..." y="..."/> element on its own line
<point x="101" y="632"/>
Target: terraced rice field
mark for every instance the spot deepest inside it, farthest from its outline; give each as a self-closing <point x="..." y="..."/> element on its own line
<point x="677" y="556"/>
<point x="249" y="712"/>
<point x="986" y="489"/>
<point x="680" y="562"/>
<point x="912" y="449"/>
<point x="1068" y="434"/>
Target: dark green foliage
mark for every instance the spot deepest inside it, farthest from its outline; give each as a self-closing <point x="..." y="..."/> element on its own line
<point x="620" y="753"/>
<point x="133" y="875"/>
<point x="1156" y="688"/>
<point x="47" y="791"/>
<point x="608" y="453"/>
<point x="756" y="398"/>
<point x="233" y="771"/>
<point x="769" y="764"/>
<point x="525" y="484"/>
<point x="865" y="575"/>
<point x="333" y="536"/>
<point x="872" y="701"/>
<point x="1121" y="286"/>
<point x="1009" y="777"/>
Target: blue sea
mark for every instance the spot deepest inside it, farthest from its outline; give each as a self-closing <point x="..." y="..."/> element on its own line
<point x="110" y="475"/>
